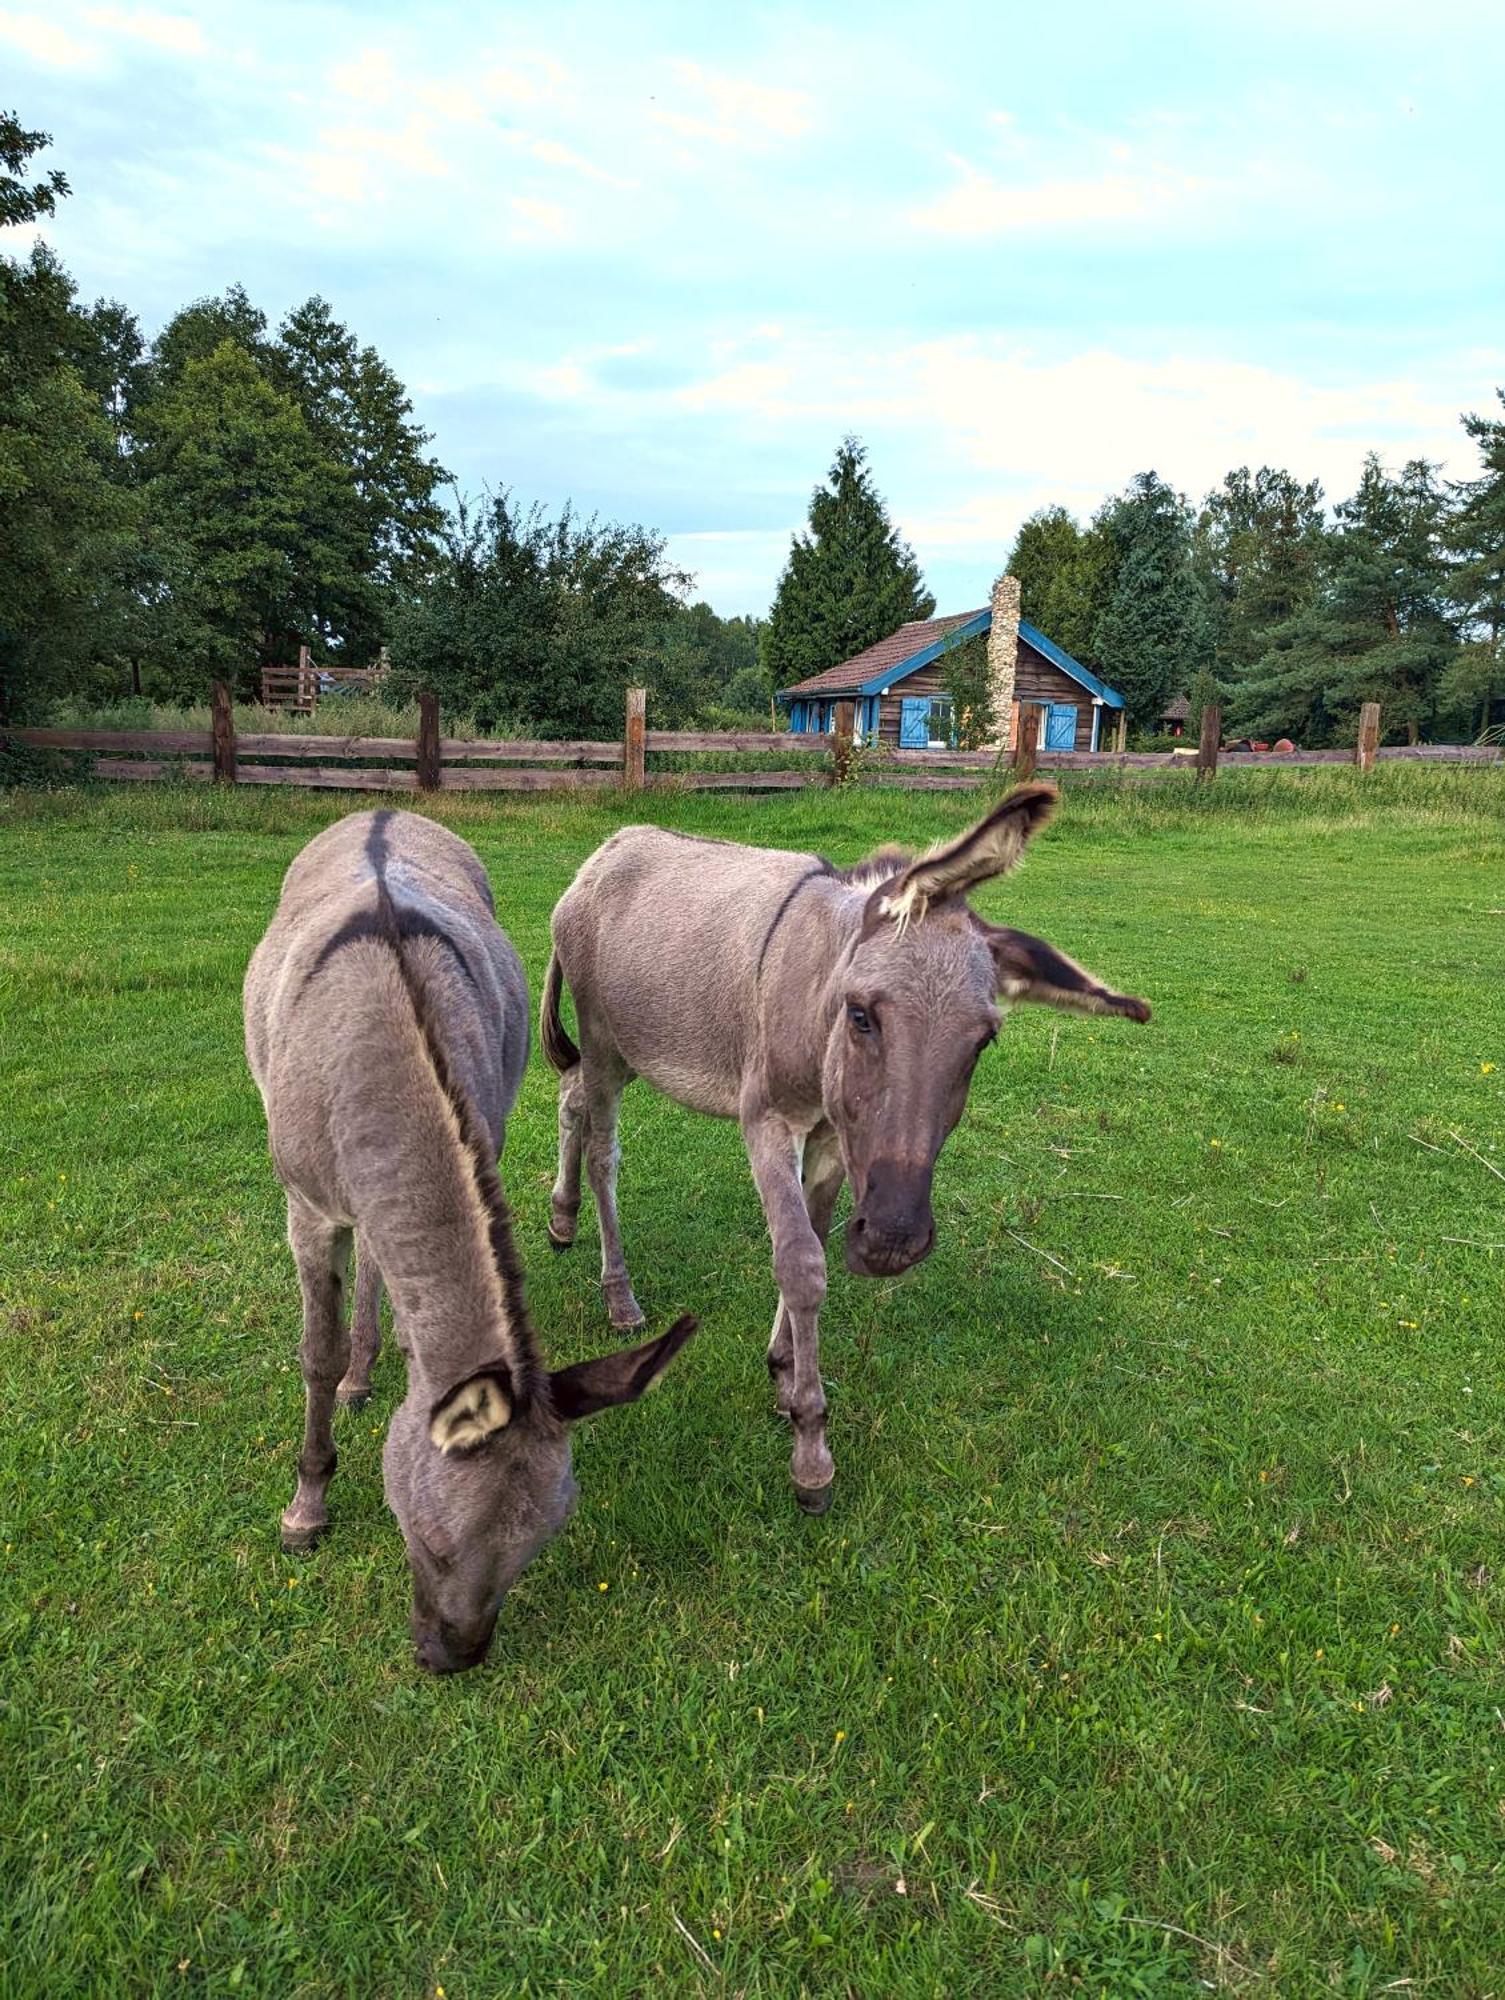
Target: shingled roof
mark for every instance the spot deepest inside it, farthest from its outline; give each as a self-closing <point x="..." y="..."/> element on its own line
<point x="880" y="659"/>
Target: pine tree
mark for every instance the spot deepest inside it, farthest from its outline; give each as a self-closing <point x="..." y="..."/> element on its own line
<point x="1474" y="684"/>
<point x="1377" y="630"/>
<point x="1154" y="633"/>
<point x="850" y="579"/>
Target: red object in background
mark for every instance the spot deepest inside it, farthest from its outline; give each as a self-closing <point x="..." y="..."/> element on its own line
<point x="1285" y="743"/>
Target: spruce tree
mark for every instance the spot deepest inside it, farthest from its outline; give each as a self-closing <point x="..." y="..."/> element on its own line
<point x="850" y="579"/>
<point x="1154" y="633"/>
<point x="1260" y="547"/>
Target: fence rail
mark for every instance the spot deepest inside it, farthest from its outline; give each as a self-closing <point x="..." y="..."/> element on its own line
<point x="431" y="762"/>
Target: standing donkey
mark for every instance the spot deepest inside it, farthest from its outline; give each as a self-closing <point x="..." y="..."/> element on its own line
<point x="387" y="1030"/>
<point x="836" y="1014"/>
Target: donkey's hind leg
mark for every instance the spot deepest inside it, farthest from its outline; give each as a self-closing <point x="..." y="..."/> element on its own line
<point x="605" y="1078"/>
<point x="322" y="1251"/>
<point x="365" y="1330"/>
<point x="564" y="1204"/>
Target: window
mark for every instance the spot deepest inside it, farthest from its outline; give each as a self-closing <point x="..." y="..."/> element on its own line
<point x="942" y="723"/>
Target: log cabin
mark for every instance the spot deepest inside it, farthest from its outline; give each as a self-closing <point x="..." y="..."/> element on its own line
<point x="901" y="698"/>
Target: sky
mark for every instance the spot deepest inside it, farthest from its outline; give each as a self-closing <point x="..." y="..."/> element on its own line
<point x="658" y="259"/>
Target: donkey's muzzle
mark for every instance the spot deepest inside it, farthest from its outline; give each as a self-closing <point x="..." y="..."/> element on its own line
<point x="439" y="1649"/>
<point x="892" y="1226"/>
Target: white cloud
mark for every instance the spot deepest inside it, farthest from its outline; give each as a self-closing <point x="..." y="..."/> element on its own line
<point x="731" y="112"/>
<point x="44" y="41"/>
<point x="977" y="204"/>
<point x="176" y="34"/>
<point x="541" y="221"/>
<point x="1006" y="429"/>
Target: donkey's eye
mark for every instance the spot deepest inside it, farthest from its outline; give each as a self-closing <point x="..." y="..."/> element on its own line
<point x="860" y="1019"/>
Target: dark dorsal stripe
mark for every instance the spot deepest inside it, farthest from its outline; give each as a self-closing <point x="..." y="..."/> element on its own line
<point x="810" y="875"/>
<point x="385" y="922"/>
<point x="410" y="924"/>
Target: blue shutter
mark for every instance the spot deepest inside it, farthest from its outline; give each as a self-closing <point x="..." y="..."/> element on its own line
<point x="1060" y="726"/>
<point x="797" y="717"/>
<point x="914" y="722"/>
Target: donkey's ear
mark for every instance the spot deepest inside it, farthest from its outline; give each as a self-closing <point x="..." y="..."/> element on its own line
<point x="472" y="1411"/>
<point x="1030" y="969"/>
<point x="990" y="848"/>
<point x="616" y="1378"/>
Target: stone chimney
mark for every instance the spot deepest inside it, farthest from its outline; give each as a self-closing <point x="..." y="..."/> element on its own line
<point x="1003" y="655"/>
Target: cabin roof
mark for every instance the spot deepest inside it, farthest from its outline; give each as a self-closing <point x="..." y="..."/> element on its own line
<point x="877" y="668"/>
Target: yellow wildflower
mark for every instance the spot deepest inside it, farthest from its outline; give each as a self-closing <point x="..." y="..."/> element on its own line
<point x="603" y="1586"/>
<point x="1486" y="1069"/>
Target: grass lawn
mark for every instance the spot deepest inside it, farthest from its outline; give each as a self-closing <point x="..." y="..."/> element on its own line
<point x="1155" y="1640"/>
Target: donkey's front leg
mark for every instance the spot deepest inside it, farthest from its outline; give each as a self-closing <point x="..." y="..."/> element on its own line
<point x="322" y="1250"/>
<point x="821" y="1176"/>
<point x="365" y="1330"/>
<point x="799" y="1265"/>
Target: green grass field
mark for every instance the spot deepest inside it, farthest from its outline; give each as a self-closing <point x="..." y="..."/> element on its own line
<point x="1155" y="1641"/>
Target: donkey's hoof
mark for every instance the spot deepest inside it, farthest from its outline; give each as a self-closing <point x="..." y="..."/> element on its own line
<point x="815" y="1499"/>
<point x="625" y="1318"/>
<point x="298" y="1541"/>
<point x="560" y="1242"/>
<point x="352" y="1399"/>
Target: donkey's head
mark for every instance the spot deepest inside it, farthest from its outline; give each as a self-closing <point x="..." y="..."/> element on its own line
<point x="479" y="1478"/>
<point x="920" y="996"/>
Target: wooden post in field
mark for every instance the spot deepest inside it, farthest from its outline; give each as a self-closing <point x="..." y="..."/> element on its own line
<point x="222" y="733"/>
<point x="1212" y="736"/>
<point x="1369" y="736"/>
<point x="846" y="720"/>
<point x="1027" y="742"/>
<point x="428" y="742"/>
<point x="1123" y="731"/>
<point x="634" y="741"/>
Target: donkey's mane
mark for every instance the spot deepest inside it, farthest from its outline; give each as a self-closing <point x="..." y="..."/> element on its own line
<point x="488" y="1183"/>
<point x="881" y="866"/>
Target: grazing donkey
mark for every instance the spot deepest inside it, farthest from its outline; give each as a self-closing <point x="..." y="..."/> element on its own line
<point x="836" y="1014"/>
<point x="387" y="1029"/>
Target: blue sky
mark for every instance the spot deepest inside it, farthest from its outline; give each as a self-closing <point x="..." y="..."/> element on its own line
<point x="658" y="258"/>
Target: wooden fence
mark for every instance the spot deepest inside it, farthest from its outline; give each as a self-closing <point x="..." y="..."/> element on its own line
<point x="434" y="762"/>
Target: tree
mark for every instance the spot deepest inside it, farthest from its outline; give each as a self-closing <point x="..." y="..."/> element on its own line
<point x="1154" y="632"/>
<point x="1378" y="629"/>
<point x="64" y="525"/>
<point x="537" y="623"/>
<point x="1066" y="577"/>
<point x="388" y="518"/>
<point x="235" y="491"/>
<point x="850" y="579"/>
<point x="1260" y="547"/>
<point x="197" y="330"/>
<point x="1476" y="538"/>
<point x="18" y="201"/>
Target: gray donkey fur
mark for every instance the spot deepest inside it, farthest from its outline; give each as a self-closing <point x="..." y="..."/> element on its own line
<point x="387" y="1030"/>
<point x="836" y="1014"/>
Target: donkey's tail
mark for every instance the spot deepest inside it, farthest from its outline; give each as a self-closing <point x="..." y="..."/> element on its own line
<point x="557" y="1046"/>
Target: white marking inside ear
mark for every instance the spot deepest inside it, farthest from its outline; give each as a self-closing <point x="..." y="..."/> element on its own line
<point x="908" y="907"/>
<point x="476" y="1410"/>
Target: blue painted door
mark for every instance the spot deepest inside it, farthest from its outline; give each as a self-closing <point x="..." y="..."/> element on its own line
<point x="1060" y="726"/>
<point x="914" y="722"/>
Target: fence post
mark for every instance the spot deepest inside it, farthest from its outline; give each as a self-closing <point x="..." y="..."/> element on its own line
<point x="1027" y="742"/>
<point x="841" y="761"/>
<point x="428" y="742"/>
<point x="634" y="741"/>
<point x="1122" y="737"/>
<point x="1212" y="736"/>
<point x="222" y="733"/>
<point x="1369" y="736"/>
